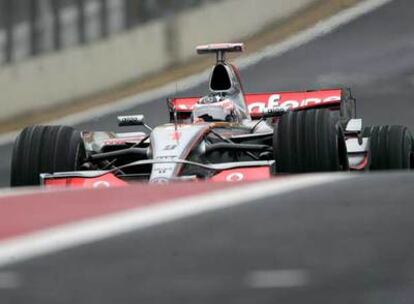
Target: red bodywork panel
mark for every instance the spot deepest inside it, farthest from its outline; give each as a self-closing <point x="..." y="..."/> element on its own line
<point x="185" y="104"/>
<point x="259" y="102"/>
<point x="242" y="174"/>
<point x="104" y="181"/>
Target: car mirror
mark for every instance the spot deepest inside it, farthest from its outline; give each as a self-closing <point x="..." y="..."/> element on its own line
<point x="274" y="112"/>
<point x="131" y="120"/>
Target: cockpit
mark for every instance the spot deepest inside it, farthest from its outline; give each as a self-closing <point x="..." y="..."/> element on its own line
<point x="216" y="108"/>
<point x="225" y="101"/>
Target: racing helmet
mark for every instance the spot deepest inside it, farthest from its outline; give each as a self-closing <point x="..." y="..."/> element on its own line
<point x="216" y="108"/>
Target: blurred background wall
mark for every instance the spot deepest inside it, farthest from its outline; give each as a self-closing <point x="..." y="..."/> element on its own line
<point x="56" y="51"/>
<point x="34" y="27"/>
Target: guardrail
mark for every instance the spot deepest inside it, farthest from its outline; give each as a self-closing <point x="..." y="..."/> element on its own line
<point x="34" y="27"/>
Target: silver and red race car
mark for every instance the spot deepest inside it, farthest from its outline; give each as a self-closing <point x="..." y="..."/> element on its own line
<point x="228" y="135"/>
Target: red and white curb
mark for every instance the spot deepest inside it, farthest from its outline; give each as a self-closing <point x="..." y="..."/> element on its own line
<point x="125" y="217"/>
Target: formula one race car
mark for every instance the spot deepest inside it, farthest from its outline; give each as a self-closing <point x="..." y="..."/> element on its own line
<point x="228" y="135"/>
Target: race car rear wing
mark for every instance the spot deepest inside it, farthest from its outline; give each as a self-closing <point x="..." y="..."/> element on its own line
<point x="259" y="103"/>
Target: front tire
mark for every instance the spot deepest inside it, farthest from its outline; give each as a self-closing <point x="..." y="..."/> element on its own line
<point x="309" y="141"/>
<point x="45" y="149"/>
<point x="390" y="147"/>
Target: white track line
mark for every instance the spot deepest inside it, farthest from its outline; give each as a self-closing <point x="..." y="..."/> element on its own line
<point x="281" y="278"/>
<point x="320" y="29"/>
<point x="99" y="228"/>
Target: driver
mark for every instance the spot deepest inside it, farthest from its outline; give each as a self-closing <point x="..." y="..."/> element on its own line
<point x="217" y="107"/>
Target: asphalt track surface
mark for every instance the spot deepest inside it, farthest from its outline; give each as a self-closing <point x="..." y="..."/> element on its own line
<point x="350" y="242"/>
<point x="357" y="249"/>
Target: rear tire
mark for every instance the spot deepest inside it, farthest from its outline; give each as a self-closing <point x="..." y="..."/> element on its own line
<point x="390" y="146"/>
<point x="309" y="141"/>
<point x="45" y="149"/>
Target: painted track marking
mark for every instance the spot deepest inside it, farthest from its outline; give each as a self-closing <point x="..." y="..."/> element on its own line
<point x="29" y="210"/>
<point x="286" y="278"/>
<point x="99" y="228"/>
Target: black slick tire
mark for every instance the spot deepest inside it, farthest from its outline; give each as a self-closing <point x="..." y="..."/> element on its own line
<point x="44" y="149"/>
<point x="309" y="141"/>
<point x="390" y="147"/>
